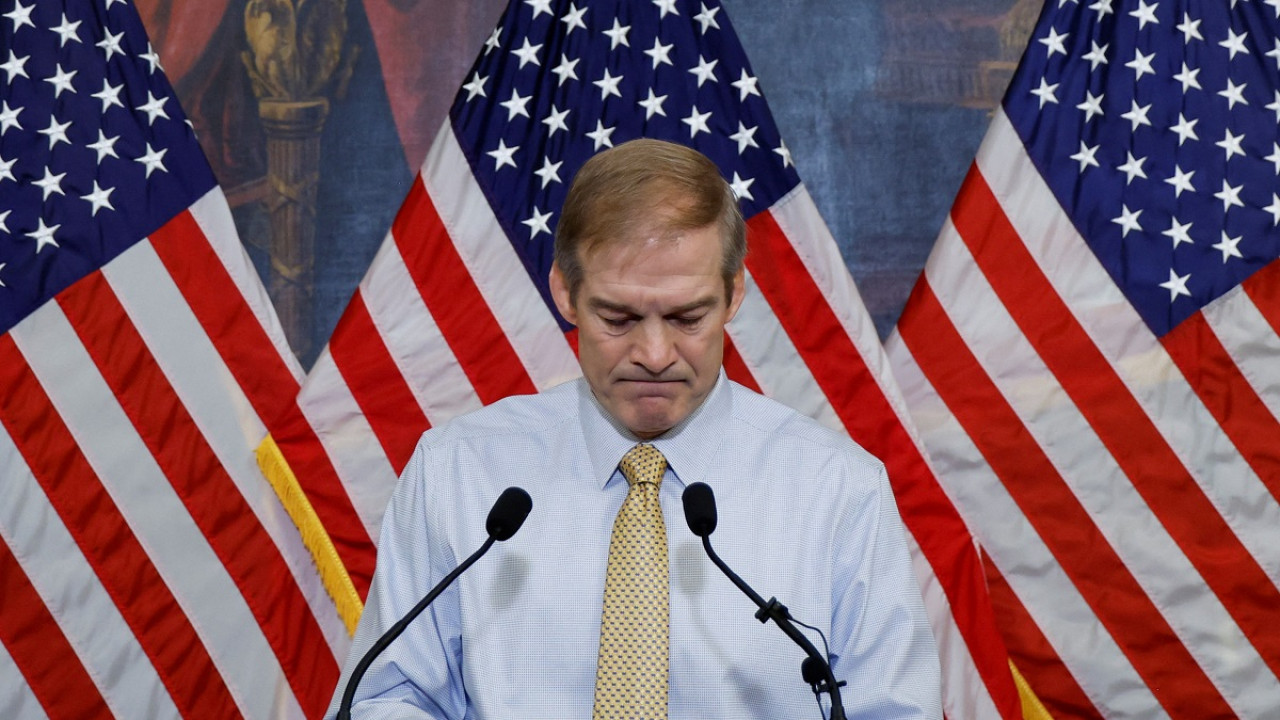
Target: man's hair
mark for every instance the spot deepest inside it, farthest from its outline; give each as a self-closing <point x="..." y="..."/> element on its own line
<point x="646" y="188"/>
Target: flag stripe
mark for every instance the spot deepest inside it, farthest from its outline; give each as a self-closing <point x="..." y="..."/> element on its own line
<point x="1137" y="445"/>
<point x="105" y="538"/>
<point x="1249" y="340"/>
<point x="736" y="368"/>
<point x="40" y="649"/>
<point x="1263" y="288"/>
<point x="205" y="488"/>
<point x="1042" y="496"/>
<point x="376" y="383"/>
<point x="16" y="697"/>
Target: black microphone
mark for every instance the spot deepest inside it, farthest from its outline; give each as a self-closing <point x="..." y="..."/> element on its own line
<point x="700" y="514"/>
<point x="508" y="514"/>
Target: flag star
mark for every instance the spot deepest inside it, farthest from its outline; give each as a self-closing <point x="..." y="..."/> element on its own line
<point x="1178" y="232"/>
<point x="549" y="172"/>
<point x="1185" y="129"/>
<point x="573" y="19"/>
<point x="660" y="53"/>
<point x="57" y="133"/>
<point x="109" y="95"/>
<point x="1274" y="157"/>
<point x="67" y="31"/>
<point x="1046" y="92"/>
<point x="555" y="121"/>
<point x="1188" y="78"/>
<point x="1229" y="195"/>
<point x="1231" y="143"/>
<point x="1190" y="29"/>
<point x="1274" y="209"/>
<point x="9" y="117"/>
<point x="1128" y="220"/>
<point x="154" y="107"/>
<point x="1091" y="105"/>
<point x="50" y="183"/>
<point x="1132" y="168"/>
<point x="1180" y="181"/>
<point x="13" y="67"/>
<point x="697" y="122"/>
<point x="1275" y="4"/>
<point x="475" y="86"/>
<point x="705" y="70"/>
<point x="1102" y="7"/>
<point x="653" y="105"/>
<point x="1141" y="64"/>
<point x="1229" y="246"/>
<point x="666" y="6"/>
<point x="111" y="43"/>
<point x="1137" y="115"/>
<point x="153" y="160"/>
<point x="503" y="155"/>
<point x="3" y="217"/>
<point x="707" y="18"/>
<point x="600" y="136"/>
<point x="1176" y="285"/>
<point x="1234" y="44"/>
<point x="566" y="70"/>
<point x="99" y="198"/>
<point x="537" y="223"/>
<point x="493" y="41"/>
<point x="1234" y="94"/>
<point x="61" y="80"/>
<point x="113" y="2"/>
<point x="745" y="137"/>
<point x="105" y="146"/>
<point x="1096" y="55"/>
<point x="44" y="236"/>
<point x="742" y="186"/>
<point x="20" y="15"/>
<point x="516" y="105"/>
<point x="608" y="85"/>
<point x="618" y="35"/>
<point x="539" y="7"/>
<point x="528" y="53"/>
<point x="1145" y="14"/>
<point x="1086" y="156"/>
<point x="785" y="153"/>
<point x="1275" y="105"/>
<point x="746" y="86"/>
<point x="6" y="169"/>
<point x="1275" y="52"/>
<point x="2" y="268"/>
<point x="1055" y="42"/>
<point x="152" y="58"/>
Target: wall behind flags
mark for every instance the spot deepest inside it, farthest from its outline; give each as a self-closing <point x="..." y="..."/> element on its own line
<point x="881" y="102"/>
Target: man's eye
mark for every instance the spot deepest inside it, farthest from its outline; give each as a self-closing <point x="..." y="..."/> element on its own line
<point x="616" y="322"/>
<point x="687" y="321"/>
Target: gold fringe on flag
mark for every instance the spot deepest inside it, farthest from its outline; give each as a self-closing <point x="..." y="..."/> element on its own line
<point x="332" y="572"/>
<point x="1032" y="708"/>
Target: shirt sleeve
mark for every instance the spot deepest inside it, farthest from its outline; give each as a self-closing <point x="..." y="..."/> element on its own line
<point x="419" y="674"/>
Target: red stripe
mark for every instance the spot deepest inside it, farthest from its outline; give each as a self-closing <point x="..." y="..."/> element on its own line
<point x="1230" y="398"/>
<point x="1038" y="662"/>
<point x="1048" y="504"/>
<point x="109" y="545"/>
<point x="376" y="383"/>
<point x="855" y="394"/>
<point x="1263" y="288"/>
<point x="266" y="381"/>
<point x="1120" y="422"/>
<point x="736" y="368"/>
<point x="208" y="492"/>
<point x="460" y="311"/>
<point x="40" y="650"/>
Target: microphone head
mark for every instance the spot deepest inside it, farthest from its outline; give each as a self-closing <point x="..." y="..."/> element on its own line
<point x="700" y="509"/>
<point x="508" y="513"/>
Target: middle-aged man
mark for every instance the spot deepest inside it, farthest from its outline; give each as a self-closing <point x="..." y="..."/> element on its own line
<point x="605" y="604"/>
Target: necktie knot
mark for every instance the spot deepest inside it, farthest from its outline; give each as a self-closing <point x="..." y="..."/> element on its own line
<point x="643" y="463"/>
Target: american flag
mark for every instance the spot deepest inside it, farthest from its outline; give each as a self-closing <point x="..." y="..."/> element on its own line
<point x="1092" y="358"/>
<point x="455" y="311"/>
<point x="146" y="568"/>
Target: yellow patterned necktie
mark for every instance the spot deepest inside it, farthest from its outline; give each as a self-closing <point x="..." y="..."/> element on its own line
<point x="631" y="675"/>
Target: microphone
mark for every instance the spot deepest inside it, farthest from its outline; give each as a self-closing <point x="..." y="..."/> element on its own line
<point x="505" y="518"/>
<point x="700" y="514"/>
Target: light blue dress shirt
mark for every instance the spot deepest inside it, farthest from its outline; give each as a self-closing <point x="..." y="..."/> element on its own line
<point x="804" y="515"/>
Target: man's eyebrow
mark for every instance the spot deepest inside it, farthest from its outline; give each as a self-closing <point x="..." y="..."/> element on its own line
<point x="621" y="308"/>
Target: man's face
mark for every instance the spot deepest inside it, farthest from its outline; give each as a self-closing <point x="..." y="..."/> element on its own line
<point x="651" y="317"/>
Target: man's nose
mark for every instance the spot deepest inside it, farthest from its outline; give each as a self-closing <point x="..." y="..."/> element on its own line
<point x="654" y="348"/>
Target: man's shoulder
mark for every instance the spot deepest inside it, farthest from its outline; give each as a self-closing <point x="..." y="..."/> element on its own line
<point x="517" y="414"/>
<point x="789" y="429"/>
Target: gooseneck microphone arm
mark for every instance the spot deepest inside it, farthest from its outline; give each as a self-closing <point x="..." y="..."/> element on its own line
<point x="506" y="517"/>
<point x="700" y="514"/>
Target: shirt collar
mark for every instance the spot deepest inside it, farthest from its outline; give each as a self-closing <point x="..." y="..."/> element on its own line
<point x="688" y="447"/>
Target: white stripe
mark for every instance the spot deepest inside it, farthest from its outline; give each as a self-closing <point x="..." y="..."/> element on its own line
<point x="1013" y="545"/>
<point x="219" y="408"/>
<point x="774" y="361"/>
<point x="162" y="525"/>
<point x="1094" y="477"/>
<point x="79" y="604"/>
<point x="213" y="216"/>
<point x="494" y="266"/>
<point x="1250" y="341"/>
<point x="413" y="339"/>
<point x="16" y="698"/>
<point x="1133" y="352"/>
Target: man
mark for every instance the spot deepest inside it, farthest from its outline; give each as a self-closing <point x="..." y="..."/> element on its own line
<point x="561" y="621"/>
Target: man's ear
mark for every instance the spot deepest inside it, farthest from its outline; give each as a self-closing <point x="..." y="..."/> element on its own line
<point x="739" y="292"/>
<point x="560" y="294"/>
